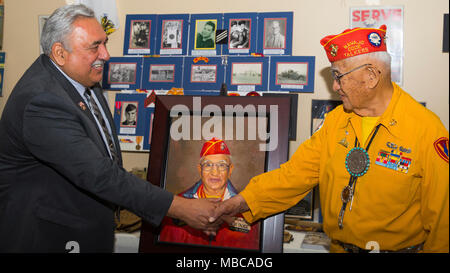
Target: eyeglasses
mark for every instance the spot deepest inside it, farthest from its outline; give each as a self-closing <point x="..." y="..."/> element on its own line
<point x="221" y="166"/>
<point x="337" y="77"/>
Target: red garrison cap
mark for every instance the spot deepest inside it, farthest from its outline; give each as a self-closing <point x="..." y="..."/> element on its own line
<point x="213" y="147"/>
<point x="353" y="42"/>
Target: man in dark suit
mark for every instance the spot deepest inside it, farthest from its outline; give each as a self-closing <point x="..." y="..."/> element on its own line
<point x="61" y="174"/>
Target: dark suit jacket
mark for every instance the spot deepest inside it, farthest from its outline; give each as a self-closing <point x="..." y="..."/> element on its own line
<point x="57" y="181"/>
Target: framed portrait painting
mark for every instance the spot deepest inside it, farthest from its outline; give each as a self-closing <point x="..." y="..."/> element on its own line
<point x="140" y="34"/>
<point x="254" y="130"/>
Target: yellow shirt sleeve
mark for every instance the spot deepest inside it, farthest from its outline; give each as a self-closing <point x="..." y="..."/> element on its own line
<point x="435" y="195"/>
<point x="277" y="190"/>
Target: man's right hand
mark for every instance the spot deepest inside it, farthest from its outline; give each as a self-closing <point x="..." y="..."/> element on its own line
<point x="227" y="209"/>
<point x="196" y="213"/>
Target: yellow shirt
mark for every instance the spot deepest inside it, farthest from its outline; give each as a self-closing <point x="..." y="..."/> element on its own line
<point x="397" y="207"/>
<point x="368" y="123"/>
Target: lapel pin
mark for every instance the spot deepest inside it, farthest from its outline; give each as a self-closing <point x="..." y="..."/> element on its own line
<point x="82" y="105"/>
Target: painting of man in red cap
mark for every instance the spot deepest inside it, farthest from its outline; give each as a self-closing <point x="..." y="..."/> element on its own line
<point x="215" y="168"/>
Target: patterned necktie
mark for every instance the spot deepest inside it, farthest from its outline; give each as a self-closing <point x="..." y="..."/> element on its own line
<point x="100" y="119"/>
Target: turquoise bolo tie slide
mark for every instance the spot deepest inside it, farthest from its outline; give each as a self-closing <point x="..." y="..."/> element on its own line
<point x="357" y="162"/>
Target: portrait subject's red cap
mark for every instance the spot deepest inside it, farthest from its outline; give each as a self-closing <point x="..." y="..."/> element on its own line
<point x="353" y="42"/>
<point x="213" y="147"/>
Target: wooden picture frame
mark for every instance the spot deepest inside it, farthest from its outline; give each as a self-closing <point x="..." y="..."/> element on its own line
<point x="277" y="111"/>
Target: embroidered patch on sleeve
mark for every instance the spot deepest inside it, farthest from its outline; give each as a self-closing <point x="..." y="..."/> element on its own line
<point x="441" y="147"/>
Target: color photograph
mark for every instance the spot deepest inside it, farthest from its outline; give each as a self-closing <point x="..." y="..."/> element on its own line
<point x="205" y="34"/>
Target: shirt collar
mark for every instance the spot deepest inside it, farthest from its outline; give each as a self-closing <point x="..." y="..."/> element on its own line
<point x="392" y="118"/>
<point x="78" y="86"/>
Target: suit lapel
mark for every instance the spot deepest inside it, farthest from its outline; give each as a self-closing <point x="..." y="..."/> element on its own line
<point x="67" y="86"/>
<point x="75" y="97"/>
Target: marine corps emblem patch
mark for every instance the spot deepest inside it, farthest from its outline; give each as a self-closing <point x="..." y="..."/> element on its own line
<point x="333" y="50"/>
<point x="441" y="147"/>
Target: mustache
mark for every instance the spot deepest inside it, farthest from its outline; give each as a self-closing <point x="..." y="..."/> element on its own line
<point x="98" y="62"/>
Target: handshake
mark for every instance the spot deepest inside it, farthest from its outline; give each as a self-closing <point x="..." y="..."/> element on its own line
<point x="207" y="214"/>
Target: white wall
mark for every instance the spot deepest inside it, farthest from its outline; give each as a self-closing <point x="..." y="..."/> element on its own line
<point x="426" y="68"/>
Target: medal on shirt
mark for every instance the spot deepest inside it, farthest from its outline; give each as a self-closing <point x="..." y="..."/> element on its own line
<point x="357" y="163"/>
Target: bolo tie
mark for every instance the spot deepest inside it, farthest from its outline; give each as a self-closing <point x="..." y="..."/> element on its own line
<point x="357" y="163"/>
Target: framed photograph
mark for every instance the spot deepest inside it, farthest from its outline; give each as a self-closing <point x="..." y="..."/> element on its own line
<point x="129" y="114"/>
<point x="445" y="36"/>
<point x="122" y="73"/>
<point x="2" y="15"/>
<point x="275" y="33"/>
<point x="131" y="119"/>
<point x="41" y="22"/>
<point x="175" y="156"/>
<point x="162" y="73"/>
<point x="140" y="33"/>
<point x="202" y="40"/>
<point x="203" y="74"/>
<point x="242" y="30"/>
<point x="292" y="73"/>
<point x="319" y="110"/>
<point x="247" y="74"/>
<point x="2" y="71"/>
<point x="172" y="35"/>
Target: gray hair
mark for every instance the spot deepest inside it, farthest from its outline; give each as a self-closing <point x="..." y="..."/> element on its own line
<point x="59" y="25"/>
<point x="381" y="56"/>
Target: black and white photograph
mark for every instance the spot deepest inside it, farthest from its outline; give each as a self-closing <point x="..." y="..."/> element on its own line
<point x="204" y="73"/>
<point x="162" y="73"/>
<point x="122" y="73"/>
<point x="239" y="33"/>
<point x="128" y="117"/>
<point x="172" y="34"/>
<point x="246" y="73"/>
<point x="292" y="73"/>
<point x="275" y="33"/>
<point x="140" y="34"/>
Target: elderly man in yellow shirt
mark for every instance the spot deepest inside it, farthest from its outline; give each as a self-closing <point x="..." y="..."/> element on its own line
<point x="380" y="160"/>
